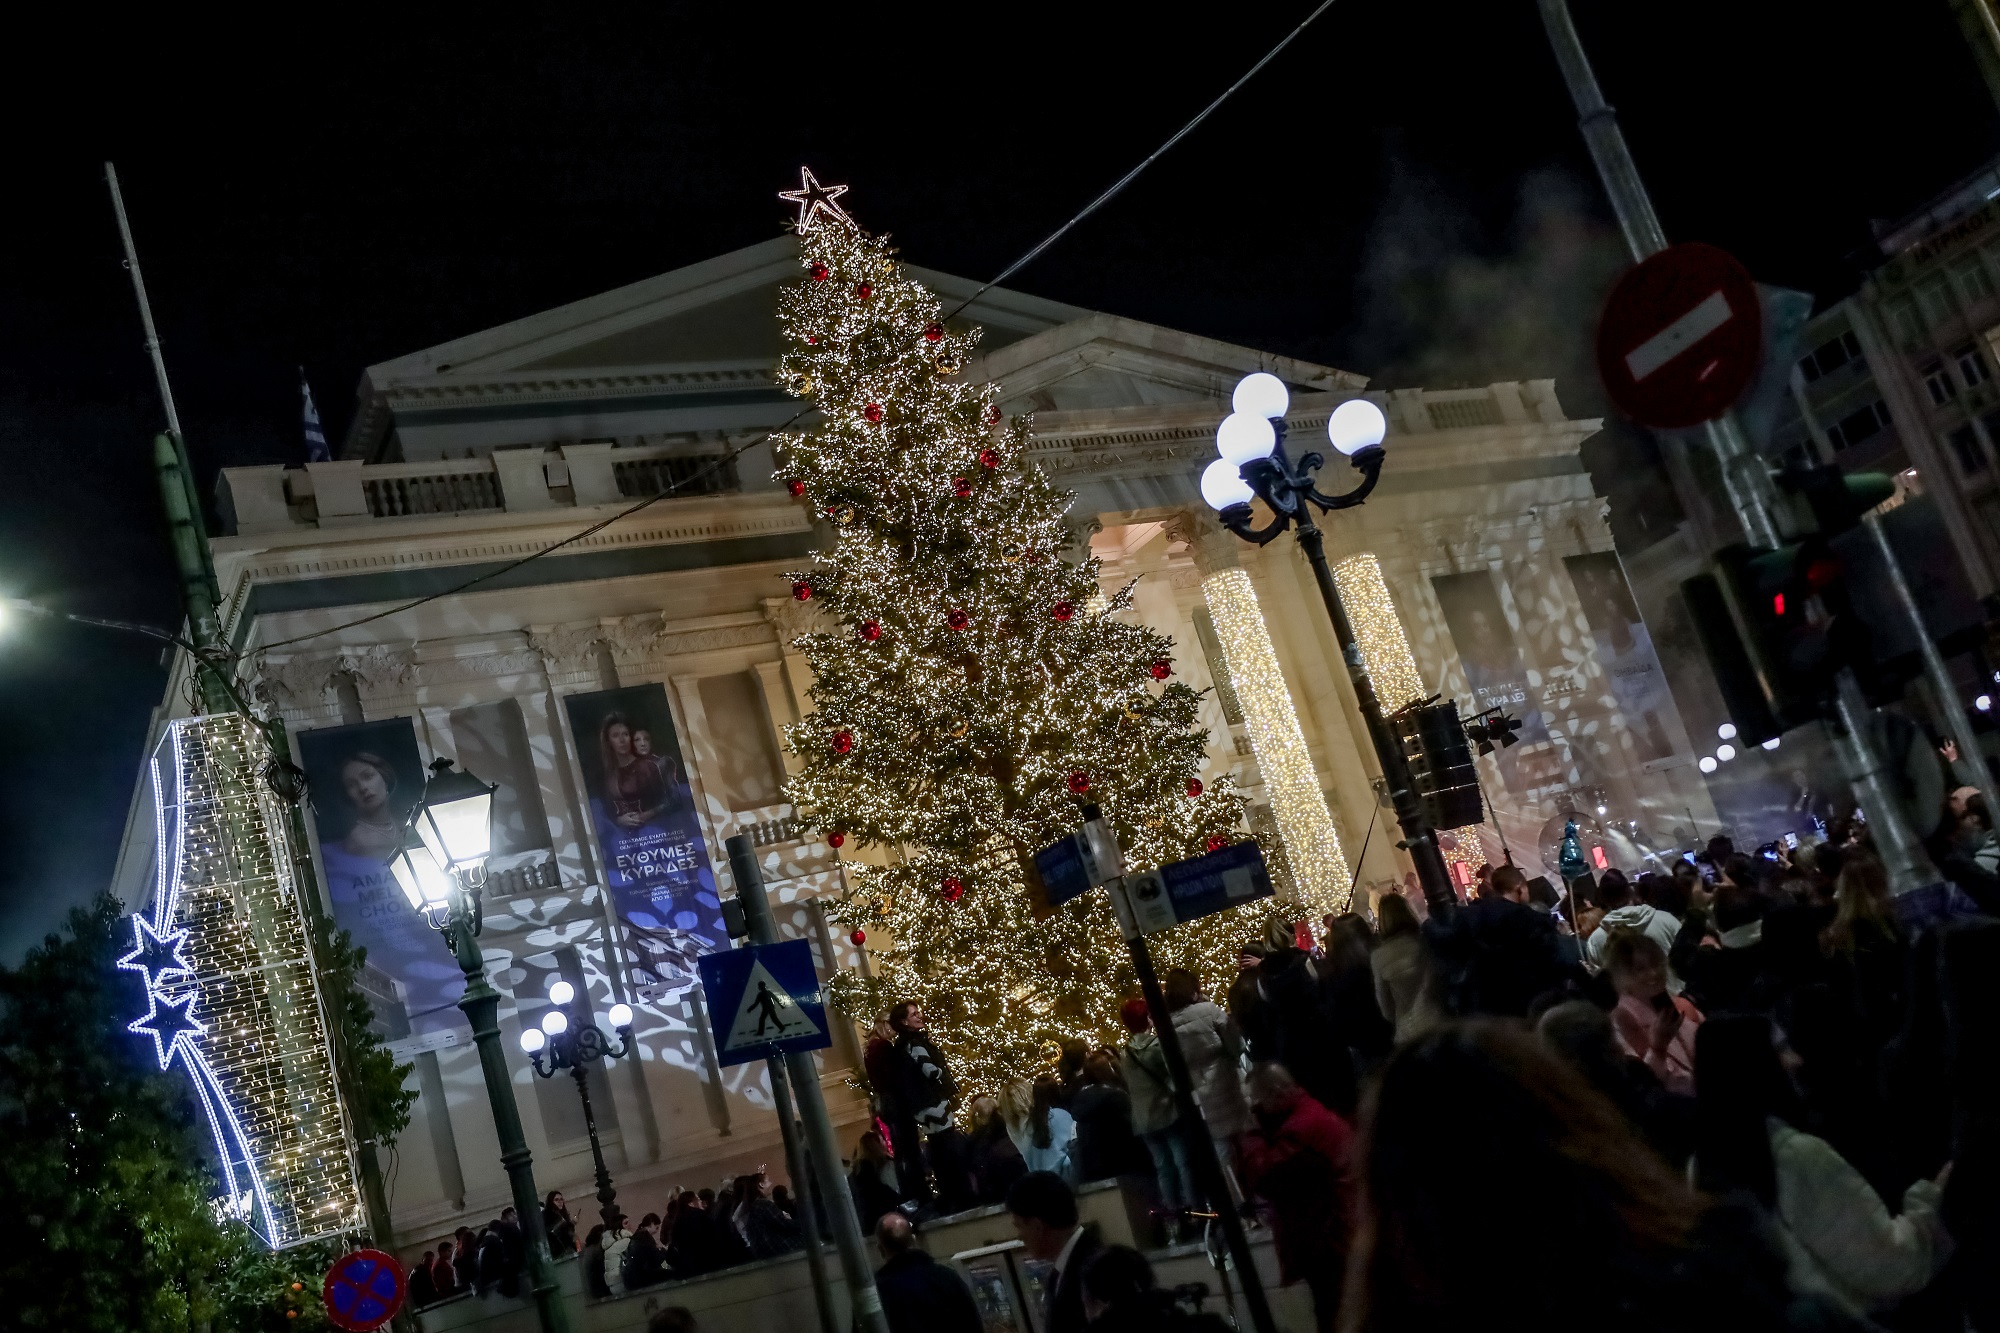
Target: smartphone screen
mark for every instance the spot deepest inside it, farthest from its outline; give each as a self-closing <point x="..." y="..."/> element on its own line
<point x="1792" y="840"/>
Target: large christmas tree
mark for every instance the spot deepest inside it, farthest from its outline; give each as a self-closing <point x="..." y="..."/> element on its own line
<point x="974" y="686"/>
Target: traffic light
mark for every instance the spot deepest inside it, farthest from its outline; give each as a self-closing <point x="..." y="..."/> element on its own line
<point x="1837" y="499"/>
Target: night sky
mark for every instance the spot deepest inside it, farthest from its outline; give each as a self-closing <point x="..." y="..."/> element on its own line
<point x="1402" y="193"/>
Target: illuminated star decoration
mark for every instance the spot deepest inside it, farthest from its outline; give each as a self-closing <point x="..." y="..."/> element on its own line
<point x="814" y="198"/>
<point x="170" y="1023"/>
<point x="154" y="955"/>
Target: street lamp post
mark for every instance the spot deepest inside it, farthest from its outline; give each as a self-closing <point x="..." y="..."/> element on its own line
<point x="1254" y="466"/>
<point x="560" y="1044"/>
<point x="441" y="870"/>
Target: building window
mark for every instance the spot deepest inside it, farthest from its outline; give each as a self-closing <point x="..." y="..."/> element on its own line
<point x="1935" y="299"/>
<point x="1971" y="368"/>
<point x="1965" y="443"/>
<point x="1973" y="283"/>
<point x="1903" y="318"/>
<point x="1858" y="426"/>
<point x="1830" y="356"/>
<point x="1938" y="380"/>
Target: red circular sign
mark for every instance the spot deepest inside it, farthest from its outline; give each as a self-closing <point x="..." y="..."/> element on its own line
<point x="1681" y="338"/>
<point x="364" y="1290"/>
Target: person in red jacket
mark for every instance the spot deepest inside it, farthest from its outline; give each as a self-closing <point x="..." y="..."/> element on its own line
<point x="1296" y="1159"/>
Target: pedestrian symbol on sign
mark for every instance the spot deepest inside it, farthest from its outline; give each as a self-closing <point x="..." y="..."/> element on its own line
<point x="770" y="997"/>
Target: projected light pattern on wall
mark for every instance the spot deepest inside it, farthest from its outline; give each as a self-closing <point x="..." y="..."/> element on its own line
<point x="230" y="986"/>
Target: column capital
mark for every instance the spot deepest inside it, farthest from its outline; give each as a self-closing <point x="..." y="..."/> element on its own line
<point x="1213" y="547"/>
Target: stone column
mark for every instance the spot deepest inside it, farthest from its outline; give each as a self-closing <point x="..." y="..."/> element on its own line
<point x="1305" y="826"/>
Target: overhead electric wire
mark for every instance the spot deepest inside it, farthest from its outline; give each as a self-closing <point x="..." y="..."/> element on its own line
<point x="724" y="459"/>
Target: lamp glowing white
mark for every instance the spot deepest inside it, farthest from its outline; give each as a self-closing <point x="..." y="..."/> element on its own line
<point x="1771" y="744"/>
<point x="1725" y="752"/>
<point x="621" y="1015"/>
<point x="1726" y="732"/>
<point x="561" y="992"/>
<point x="1242" y="437"/>
<point x="555" y="1022"/>
<point x="1355" y="425"/>
<point x="1222" y="485"/>
<point x="422" y="881"/>
<point x="1260" y="395"/>
<point x="455" y="818"/>
<point x="1706" y="763"/>
<point x="532" y="1040"/>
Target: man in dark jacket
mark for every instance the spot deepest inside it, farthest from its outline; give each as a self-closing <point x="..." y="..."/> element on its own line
<point x="1735" y="976"/>
<point x="919" y="1294"/>
<point x="927" y="1093"/>
<point x="1497" y="954"/>
<point x="1042" y="1207"/>
<point x="1296" y="1029"/>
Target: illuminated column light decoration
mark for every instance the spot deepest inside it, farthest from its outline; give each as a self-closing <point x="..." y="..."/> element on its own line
<point x="1385" y="649"/>
<point x="230" y="985"/>
<point x="1297" y="804"/>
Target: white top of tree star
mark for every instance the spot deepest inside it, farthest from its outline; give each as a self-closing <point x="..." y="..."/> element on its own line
<point x="814" y="198"/>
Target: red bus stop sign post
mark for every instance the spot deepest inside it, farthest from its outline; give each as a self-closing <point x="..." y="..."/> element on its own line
<point x="1681" y="338"/>
<point x="364" y="1290"/>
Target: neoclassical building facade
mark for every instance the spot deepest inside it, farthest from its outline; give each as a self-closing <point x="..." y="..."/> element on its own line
<point x="1481" y="569"/>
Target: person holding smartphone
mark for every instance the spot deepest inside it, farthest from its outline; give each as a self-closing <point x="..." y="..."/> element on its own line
<point x="1657" y="1027"/>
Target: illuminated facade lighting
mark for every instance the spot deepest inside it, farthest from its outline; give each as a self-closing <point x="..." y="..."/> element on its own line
<point x="1385" y="649"/>
<point x="1297" y="805"/>
<point x="231" y="990"/>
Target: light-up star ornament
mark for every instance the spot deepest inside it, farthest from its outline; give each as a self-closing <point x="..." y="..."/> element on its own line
<point x="814" y="199"/>
<point x="171" y="1024"/>
<point x="154" y="956"/>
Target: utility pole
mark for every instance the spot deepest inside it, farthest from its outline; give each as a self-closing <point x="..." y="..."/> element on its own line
<point x="210" y="665"/>
<point x="1746" y="477"/>
<point x="820" y="1143"/>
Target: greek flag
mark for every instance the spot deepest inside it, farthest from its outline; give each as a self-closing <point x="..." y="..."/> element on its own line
<point x="316" y="450"/>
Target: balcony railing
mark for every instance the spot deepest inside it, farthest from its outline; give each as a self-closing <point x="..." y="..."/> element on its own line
<point x="420" y="488"/>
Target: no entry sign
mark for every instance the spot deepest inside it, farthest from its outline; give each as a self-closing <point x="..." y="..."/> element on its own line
<point x="1681" y="337"/>
<point x="363" y="1291"/>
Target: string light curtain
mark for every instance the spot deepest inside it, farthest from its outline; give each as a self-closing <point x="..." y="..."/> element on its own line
<point x="231" y="990"/>
<point x="1298" y="806"/>
<point x="1385" y="648"/>
<point x="972" y="687"/>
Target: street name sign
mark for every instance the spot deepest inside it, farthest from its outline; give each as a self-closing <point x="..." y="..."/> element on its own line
<point x="764" y="1000"/>
<point x="1681" y="337"/>
<point x="1202" y="886"/>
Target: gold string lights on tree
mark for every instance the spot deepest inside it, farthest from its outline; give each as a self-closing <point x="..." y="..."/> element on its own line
<point x="973" y="686"/>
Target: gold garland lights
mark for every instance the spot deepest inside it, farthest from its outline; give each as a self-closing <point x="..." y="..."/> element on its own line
<point x="231" y="989"/>
<point x="1298" y="806"/>
<point x="972" y="690"/>
<point x="1392" y="667"/>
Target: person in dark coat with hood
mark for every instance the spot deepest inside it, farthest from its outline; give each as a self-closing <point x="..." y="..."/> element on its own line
<point x="1498" y="955"/>
<point x="1298" y="1032"/>
<point x="1732" y="975"/>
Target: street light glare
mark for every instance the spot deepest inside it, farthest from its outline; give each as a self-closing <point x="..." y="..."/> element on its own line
<point x="532" y="1040"/>
<point x="1222" y="485"/>
<point x="555" y="1022"/>
<point x="1243" y="436"/>
<point x="1355" y="425"/>
<point x="1707" y="763"/>
<point x="1260" y="395"/>
<point x="1727" y="731"/>
<point x="621" y="1015"/>
<point x="1771" y="744"/>
<point x="1725" y="752"/>
<point x="561" y="992"/>
<point x="1984" y="703"/>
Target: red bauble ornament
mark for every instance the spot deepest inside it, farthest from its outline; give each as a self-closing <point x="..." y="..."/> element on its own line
<point x="871" y="630"/>
<point x="933" y="332"/>
<point x="953" y="889"/>
<point x="843" y="741"/>
<point x="993" y="414"/>
<point x="797" y="488"/>
<point x="1161" y="669"/>
<point x="802" y="591"/>
<point x="961" y="487"/>
<point x="819" y="272"/>
<point x="812" y="340"/>
<point x="864" y="290"/>
<point x="989" y="458"/>
<point x="1194" y="788"/>
<point x="957" y="619"/>
<point x="873" y="412"/>
<point x="858" y="938"/>
<point x="1062" y="611"/>
<point x="1217" y="841"/>
<point x="835" y="839"/>
<point x="1079" y="782"/>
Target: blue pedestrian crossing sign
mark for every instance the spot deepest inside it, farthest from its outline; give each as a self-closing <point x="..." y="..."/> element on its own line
<point x="764" y="1000"/>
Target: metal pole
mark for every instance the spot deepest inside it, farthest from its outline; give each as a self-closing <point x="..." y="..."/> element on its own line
<point x="607" y="1197"/>
<point x="1745" y="475"/>
<point x="825" y="1150"/>
<point x="798" y="1162"/>
<point x="481" y="1004"/>
<point x="1188" y="1119"/>
<point x="1419" y="838"/>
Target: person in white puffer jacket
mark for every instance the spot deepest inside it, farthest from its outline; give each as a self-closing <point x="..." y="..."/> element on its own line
<point x="1842" y="1245"/>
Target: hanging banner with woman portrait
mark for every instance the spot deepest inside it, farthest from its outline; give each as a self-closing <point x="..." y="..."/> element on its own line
<point x="648" y="834"/>
<point x="364" y="779"/>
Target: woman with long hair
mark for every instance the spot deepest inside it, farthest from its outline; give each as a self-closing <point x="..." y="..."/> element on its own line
<point x="1041" y="1130"/>
<point x="368" y="786"/>
<point x="1841" y="1244"/>
<point x="1477" y="1132"/>
<point x="633" y="788"/>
